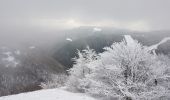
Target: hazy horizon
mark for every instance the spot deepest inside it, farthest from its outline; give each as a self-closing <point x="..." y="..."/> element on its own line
<point x="40" y="20"/>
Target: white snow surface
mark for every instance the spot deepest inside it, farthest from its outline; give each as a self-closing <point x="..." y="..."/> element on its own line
<point x="49" y="94"/>
<point x="130" y="41"/>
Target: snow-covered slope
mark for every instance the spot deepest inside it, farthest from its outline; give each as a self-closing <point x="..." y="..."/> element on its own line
<point x="155" y="46"/>
<point x="130" y="41"/>
<point x="51" y="94"/>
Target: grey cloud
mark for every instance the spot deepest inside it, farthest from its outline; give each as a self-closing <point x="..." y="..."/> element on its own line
<point x="21" y="12"/>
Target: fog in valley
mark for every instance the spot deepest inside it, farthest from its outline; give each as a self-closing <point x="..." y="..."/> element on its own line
<point x="40" y="38"/>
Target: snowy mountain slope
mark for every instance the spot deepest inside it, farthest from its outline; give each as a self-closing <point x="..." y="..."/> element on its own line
<point x="155" y="46"/>
<point x="130" y="41"/>
<point x="152" y="48"/>
<point x="51" y="94"/>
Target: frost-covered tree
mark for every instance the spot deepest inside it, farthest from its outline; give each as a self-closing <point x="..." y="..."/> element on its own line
<point x="123" y="71"/>
<point x="80" y="69"/>
<point x="128" y="71"/>
<point x="55" y="81"/>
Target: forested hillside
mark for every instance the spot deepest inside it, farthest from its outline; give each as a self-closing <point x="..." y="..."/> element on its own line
<point x="105" y="37"/>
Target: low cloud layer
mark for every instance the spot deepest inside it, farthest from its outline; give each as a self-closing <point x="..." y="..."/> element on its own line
<point x="148" y="14"/>
<point x="42" y="18"/>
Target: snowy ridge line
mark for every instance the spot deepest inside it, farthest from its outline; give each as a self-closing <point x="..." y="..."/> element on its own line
<point x="152" y="48"/>
<point x="155" y="46"/>
<point x="130" y="41"/>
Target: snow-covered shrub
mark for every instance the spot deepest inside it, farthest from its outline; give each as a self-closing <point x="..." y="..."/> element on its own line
<point x="55" y="81"/>
<point x="124" y="71"/>
<point x="78" y="72"/>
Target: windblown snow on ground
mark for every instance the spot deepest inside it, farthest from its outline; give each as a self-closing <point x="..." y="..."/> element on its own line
<point x="51" y="94"/>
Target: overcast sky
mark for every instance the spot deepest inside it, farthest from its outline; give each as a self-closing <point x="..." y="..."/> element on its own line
<point x="138" y="15"/>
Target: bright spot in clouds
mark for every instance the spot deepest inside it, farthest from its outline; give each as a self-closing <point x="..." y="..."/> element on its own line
<point x="138" y="25"/>
<point x="96" y="29"/>
<point x="72" y="23"/>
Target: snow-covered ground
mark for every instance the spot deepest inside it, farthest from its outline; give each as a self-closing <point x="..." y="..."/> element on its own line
<point x="50" y="94"/>
<point x="130" y="41"/>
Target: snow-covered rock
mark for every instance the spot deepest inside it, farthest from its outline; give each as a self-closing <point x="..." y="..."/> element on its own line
<point x="51" y="94"/>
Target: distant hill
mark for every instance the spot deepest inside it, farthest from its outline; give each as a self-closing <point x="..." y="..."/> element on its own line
<point x="83" y="36"/>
